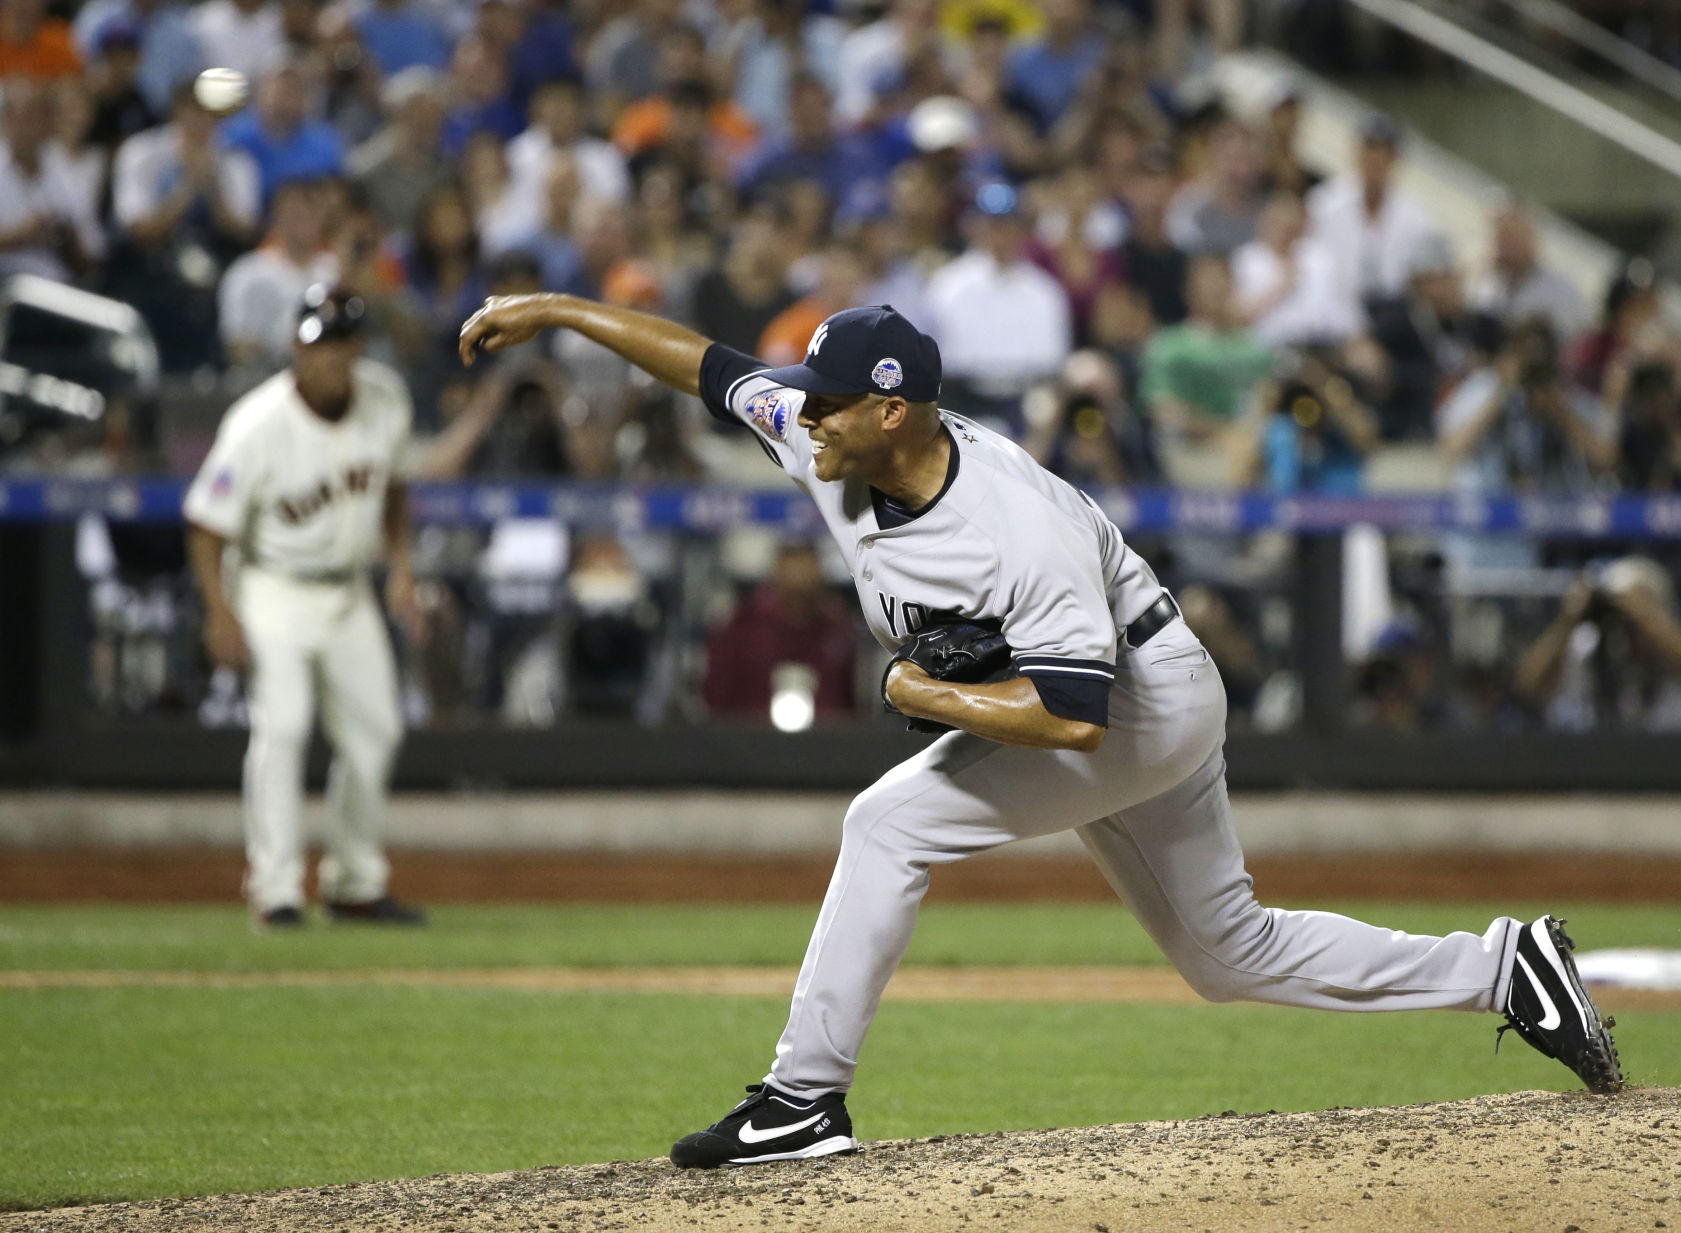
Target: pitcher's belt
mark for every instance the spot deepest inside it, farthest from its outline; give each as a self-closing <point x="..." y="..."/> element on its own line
<point x="1151" y="621"/>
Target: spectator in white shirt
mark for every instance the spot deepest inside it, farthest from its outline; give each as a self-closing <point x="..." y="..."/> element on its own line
<point x="49" y="225"/>
<point x="86" y="164"/>
<point x="1002" y="322"/>
<point x="171" y="182"/>
<point x="1372" y="227"/>
<point x="871" y="57"/>
<point x="557" y="127"/>
<point x="239" y="34"/>
<point x="1517" y="288"/>
<point x="1286" y="282"/>
<point x="261" y="292"/>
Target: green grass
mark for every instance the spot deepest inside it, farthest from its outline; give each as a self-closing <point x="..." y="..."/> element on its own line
<point x="220" y="939"/>
<point x="134" y="1093"/>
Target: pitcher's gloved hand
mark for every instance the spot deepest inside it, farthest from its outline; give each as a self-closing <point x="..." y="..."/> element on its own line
<point x="966" y="652"/>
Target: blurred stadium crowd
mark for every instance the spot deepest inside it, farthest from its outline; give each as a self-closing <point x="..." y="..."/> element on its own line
<point x="1140" y="286"/>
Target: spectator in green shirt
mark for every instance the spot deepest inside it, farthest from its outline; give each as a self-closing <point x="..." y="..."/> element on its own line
<point x="1199" y="377"/>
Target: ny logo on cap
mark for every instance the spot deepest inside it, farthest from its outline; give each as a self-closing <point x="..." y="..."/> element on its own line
<point x="816" y="343"/>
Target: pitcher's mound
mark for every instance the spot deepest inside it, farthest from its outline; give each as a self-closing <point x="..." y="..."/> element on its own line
<point x="1532" y="1160"/>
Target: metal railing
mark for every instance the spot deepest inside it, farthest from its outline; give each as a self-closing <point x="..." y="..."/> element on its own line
<point x="1547" y="89"/>
<point x="1621" y="54"/>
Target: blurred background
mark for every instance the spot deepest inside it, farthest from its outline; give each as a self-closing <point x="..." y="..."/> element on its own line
<point x="1357" y="316"/>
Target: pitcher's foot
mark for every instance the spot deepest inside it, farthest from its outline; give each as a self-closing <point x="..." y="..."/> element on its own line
<point x="1549" y="1008"/>
<point x="770" y="1125"/>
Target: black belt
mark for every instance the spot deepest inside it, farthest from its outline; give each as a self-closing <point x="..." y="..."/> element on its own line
<point x="1150" y="622"/>
<point x="325" y="577"/>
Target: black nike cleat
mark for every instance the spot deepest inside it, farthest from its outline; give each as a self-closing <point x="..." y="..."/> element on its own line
<point x="770" y="1125"/>
<point x="382" y="911"/>
<point x="1549" y="1008"/>
<point x="286" y="917"/>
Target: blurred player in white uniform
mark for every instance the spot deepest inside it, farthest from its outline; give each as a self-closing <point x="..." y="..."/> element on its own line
<point x="303" y="483"/>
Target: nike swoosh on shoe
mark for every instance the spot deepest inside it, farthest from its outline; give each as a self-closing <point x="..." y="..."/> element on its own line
<point x="1550" y="1018"/>
<point x="1544" y="940"/>
<point x="752" y="1134"/>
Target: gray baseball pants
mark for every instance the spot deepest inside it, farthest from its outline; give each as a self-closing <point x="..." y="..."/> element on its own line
<point x="1150" y="805"/>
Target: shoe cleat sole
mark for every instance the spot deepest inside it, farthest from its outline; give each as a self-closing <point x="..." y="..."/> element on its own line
<point x="1605" y="1068"/>
<point x="838" y="1146"/>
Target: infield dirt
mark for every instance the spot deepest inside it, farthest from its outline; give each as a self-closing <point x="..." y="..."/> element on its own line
<point x="1528" y="1161"/>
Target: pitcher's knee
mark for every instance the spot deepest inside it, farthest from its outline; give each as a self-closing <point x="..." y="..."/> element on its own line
<point x="1222" y="965"/>
<point x="1215" y="981"/>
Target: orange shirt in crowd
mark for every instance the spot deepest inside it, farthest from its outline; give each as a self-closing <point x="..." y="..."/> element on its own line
<point x="50" y="52"/>
<point x="645" y="123"/>
<point x="784" y="339"/>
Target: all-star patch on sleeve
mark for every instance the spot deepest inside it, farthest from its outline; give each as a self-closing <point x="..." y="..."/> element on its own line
<point x="220" y="496"/>
<point x="733" y="389"/>
<point x="722" y="369"/>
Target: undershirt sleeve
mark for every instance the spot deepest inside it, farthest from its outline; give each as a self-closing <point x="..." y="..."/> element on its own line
<point x="722" y="368"/>
<point x="1083" y="699"/>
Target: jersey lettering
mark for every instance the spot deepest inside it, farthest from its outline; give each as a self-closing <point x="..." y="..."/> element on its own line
<point x="302" y="506"/>
<point x="914" y="614"/>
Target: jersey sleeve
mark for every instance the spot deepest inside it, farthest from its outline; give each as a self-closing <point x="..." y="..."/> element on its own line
<point x="222" y="492"/>
<point x="734" y="390"/>
<point x="1059" y="624"/>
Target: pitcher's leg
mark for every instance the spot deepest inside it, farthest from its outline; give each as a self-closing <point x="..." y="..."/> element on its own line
<point x="959" y="796"/>
<point x="1176" y="863"/>
<point x="360" y="713"/>
<point x="281" y="705"/>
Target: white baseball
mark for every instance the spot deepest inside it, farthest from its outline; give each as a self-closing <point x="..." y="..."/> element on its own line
<point x="221" y="90"/>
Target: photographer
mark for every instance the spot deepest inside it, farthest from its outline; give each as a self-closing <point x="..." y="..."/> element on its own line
<point x="1084" y="430"/>
<point x="1612" y="656"/>
<point x="1310" y="431"/>
<point x="1650" y="441"/>
<point x="1515" y="423"/>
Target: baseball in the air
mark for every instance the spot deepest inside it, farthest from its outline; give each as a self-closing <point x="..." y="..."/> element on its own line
<point x="221" y="90"/>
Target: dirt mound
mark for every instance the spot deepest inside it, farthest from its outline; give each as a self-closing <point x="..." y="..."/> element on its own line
<point x="1529" y="1161"/>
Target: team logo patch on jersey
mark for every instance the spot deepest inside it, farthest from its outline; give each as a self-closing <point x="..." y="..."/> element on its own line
<point x="888" y="375"/>
<point x="769" y="413"/>
<point x="221" y="484"/>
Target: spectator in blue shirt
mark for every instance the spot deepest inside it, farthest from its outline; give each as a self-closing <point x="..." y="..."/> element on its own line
<point x="484" y="102"/>
<point x="1316" y="433"/>
<point x="810" y="150"/>
<point x="169" y="54"/>
<point x="1049" y="73"/>
<point x="400" y="34"/>
<point x="281" y="137"/>
<point x="535" y="38"/>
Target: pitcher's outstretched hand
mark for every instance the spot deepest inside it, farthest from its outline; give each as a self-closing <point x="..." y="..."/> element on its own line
<point x="504" y="321"/>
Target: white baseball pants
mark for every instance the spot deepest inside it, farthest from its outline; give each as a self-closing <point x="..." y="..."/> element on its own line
<point x="1150" y="805"/>
<point x="314" y="641"/>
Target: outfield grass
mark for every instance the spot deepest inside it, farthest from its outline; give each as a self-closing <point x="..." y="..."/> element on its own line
<point x="600" y="935"/>
<point x="142" y="1092"/>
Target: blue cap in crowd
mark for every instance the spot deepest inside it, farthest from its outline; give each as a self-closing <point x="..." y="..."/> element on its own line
<point x="870" y="350"/>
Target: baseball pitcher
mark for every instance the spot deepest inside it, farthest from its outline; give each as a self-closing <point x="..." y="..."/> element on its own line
<point x="1111" y="723"/>
<point x="302" y="484"/>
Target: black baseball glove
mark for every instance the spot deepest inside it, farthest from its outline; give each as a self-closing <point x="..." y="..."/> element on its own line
<point x="967" y="652"/>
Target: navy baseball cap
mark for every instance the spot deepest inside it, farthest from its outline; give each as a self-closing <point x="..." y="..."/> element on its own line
<point x="872" y="350"/>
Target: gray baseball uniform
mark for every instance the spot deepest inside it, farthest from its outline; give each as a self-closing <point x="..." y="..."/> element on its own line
<point x="1006" y="540"/>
